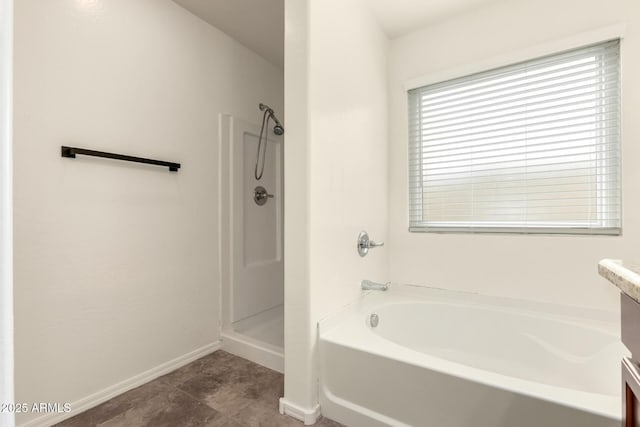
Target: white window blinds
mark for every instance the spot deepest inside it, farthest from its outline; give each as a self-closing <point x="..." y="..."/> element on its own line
<point x="533" y="147"/>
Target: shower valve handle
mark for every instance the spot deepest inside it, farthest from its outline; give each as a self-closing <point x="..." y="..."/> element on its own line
<point x="260" y="195"/>
<point x="364" y="244"/>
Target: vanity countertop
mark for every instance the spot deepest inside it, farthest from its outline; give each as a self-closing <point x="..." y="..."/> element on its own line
<point x="625" y="277"/>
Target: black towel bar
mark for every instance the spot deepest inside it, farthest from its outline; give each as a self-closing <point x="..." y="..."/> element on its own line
<point x="72" y="151"/>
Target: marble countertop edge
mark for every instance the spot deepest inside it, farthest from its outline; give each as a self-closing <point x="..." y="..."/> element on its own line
<point x="624" y="277"/>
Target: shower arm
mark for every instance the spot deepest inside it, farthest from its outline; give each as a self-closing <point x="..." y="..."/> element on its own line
<point x="270" y="112"/>
<point x="275" y="119"/>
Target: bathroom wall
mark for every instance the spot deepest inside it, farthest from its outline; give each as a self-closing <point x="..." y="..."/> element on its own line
<point x="116" y="264"/>
<point x="335" y="170"/>
<point x="298" y="329"/>
<point x="561" y="269"/>
<point x="6" y="209"/>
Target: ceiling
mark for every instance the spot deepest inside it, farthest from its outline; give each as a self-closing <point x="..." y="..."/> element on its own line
<point x="400" y="17"/>
<point x="259" y="24"/>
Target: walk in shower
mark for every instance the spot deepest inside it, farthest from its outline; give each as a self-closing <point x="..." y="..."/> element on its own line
<point x="251" y="227"/>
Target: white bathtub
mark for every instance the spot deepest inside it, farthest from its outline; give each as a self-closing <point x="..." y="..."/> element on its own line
<point x="448" y="359"/>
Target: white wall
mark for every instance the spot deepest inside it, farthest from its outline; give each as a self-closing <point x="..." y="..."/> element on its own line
<point x="298" y="379"/>
<point x="6" y="210"/>
<point x="559" y="269"/>
<point x="116" y="264"/>
<point x="335" y="170"/>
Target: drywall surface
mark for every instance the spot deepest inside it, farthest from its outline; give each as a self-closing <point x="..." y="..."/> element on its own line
<point x="116" y="264"/>
<point x="561" y="269"/>
<point x="298" y="380"/>
<point x="348" y="151"/>
<point x="337" y="178"/>
<point x="7" y="418"/>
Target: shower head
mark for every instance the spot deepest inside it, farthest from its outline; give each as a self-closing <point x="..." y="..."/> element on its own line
<point x="278" y="129"/>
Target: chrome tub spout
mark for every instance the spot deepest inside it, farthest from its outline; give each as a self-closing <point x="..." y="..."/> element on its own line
<point x="368" y="285"/>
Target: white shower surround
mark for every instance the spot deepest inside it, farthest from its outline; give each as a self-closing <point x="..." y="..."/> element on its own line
<point x="251" y="293"/>
<point x="450" y="359"/>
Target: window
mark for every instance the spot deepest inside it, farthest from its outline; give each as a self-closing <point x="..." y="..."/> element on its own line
<point x="528" y="148"/>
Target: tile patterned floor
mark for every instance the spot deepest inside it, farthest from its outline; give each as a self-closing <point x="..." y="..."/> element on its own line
<point x="219" y="390"/>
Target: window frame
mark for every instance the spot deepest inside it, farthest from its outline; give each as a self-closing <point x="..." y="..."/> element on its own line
<point x="595" y="227"/>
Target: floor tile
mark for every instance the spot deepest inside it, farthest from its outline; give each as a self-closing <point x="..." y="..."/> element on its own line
<point x="217" y="362"/>
<point x="326" y="422"/>
<point x="218" y="390"/>
<point x="258" y="414"/>
<point x="109" y="409"/>
<point x="230" y="389"/>
<point x="169" y="409"/>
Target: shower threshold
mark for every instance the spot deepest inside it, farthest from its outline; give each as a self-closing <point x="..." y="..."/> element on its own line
<point x="258" y="338"/>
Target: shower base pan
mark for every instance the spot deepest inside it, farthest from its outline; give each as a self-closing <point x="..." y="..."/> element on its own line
<point x="259" y="338"/>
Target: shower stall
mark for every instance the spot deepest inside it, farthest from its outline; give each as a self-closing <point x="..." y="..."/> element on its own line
<point x="251" y="231"/>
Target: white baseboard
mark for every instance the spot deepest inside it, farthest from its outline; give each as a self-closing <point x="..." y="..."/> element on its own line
<point x="307" y="416"/>
<point x="110" y="392"/>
